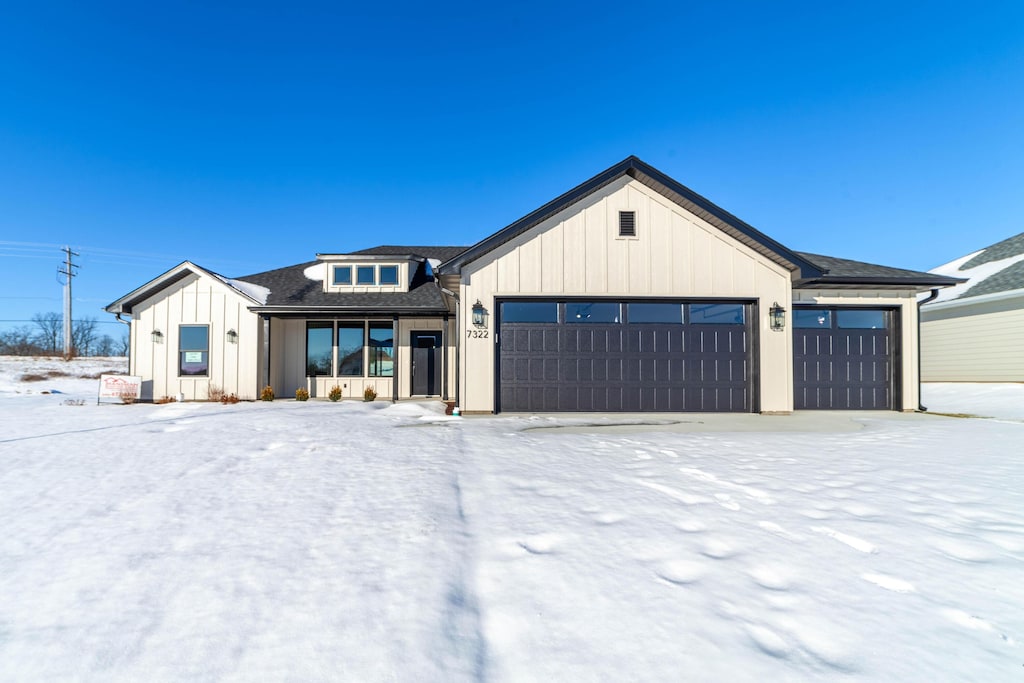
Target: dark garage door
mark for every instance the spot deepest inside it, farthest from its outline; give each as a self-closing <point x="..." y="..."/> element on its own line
<point x="624" y="356"/>
<point x="843" y="358"/>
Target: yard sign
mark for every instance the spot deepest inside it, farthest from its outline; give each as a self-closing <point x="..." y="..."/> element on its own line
<point x="115" y="388"/>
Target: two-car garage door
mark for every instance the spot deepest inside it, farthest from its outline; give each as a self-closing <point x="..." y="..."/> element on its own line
<point x="609" y="355"/>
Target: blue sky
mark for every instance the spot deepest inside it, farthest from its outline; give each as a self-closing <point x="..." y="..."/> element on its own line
<point x="249" y="136"/>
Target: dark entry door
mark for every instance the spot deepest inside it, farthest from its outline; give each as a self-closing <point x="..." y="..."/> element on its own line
<point x="426" y="363"/>
<point x="843" y="358"/>
<point x="625" y="356"/>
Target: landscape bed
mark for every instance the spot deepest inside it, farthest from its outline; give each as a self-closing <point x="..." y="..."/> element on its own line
<point x="370" y="541"/>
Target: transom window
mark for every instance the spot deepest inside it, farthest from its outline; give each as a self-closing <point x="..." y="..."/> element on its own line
<point x="655" y="313"/>
<point x="716" y="314"/>
<point x="592" y="312"/>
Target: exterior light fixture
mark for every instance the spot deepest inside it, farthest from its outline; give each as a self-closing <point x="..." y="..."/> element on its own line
<point x="479" y="314"/>
<point x="777" y="317"/>
<point x="158" y="337"/>
<point x="232" y="337"/>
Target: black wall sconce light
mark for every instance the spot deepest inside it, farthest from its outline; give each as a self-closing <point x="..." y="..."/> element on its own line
<point x="479" y="314"/>
<point x="232" y="337"/>
<point x="158" y="337"/>
<point x="777" y="317"/>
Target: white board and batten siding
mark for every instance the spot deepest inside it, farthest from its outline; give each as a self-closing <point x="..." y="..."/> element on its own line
<point x="973" y="341"/>
<point x="579" y="252"/>
<point x="196" y="300"/>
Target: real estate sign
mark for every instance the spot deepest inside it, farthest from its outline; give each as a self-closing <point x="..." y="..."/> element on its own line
<point x="119" y="388"/>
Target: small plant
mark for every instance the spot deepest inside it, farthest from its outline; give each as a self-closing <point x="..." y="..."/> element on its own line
<point x="335" y="393"/>
<point x="127" y="397"/>
<point x="369" y="394"/>
<point x="267" y="394"/>
<point x="214" y="393"/>
<point x="233" y="398"/>
<point x="301" y="394"/>
<point x="164" y="399"/>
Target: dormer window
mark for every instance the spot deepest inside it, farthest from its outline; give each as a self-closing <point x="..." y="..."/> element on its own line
<point x="365" y="275"/>
<point x="342" y="275"/>
<point x="389" y="275"/>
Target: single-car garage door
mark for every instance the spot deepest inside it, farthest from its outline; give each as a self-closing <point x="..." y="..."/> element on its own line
<point x="843" y="358"/>
<point x="609" y="355"/>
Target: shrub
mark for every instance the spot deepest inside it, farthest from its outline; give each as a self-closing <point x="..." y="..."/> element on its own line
<point x="233" y="398"/>
<point x="164" y="399"/>
<point x="127" y="397"/>
<point x="335" y="393"/>
<point x="369" y="394"/>
<point x="267" y="394"/>
<point x="214" y="393"/>
<point x="301" y="394"/>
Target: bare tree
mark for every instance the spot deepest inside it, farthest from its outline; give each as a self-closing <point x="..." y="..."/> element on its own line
<point x="105" y="346"/>
<point x="122" y="346"/>
<point x="83" y="336"/>
<point x="19" y="341"/>
<point x="51" y="331"/>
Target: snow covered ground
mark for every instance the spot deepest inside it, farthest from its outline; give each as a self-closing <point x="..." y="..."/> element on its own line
<point x="371" y="542"/>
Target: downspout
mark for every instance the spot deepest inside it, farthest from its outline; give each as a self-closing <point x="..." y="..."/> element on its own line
<point x="129" y="324"/>
<point x="931" y="297"/>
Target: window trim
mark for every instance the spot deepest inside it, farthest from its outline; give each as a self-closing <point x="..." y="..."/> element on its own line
<point x="182" y="350"/>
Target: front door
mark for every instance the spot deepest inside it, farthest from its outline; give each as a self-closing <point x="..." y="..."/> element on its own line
<point x="426" y="363"/>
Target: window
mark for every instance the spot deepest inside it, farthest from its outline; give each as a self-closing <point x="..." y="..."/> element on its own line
<point x="656" y="313"/>
<point x="811" y="318"/>
<point x="716" y="314"/>
<point x="389" y="275"/>
<point x="592" y="312"/>
<point x="342" y="275"/>
<point x="193" y="350"/>
<point x="853" y="319"/>
<point x="529" y="312"/>
<point x="627" y="223"/>
<point x="365" y="275"/>
<point x="381" y="347"/>
<point x="319" y="348"/>
<point x="350" y="349"/>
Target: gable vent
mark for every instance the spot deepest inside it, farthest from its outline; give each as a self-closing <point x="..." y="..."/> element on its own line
<point x="627" y="223"/>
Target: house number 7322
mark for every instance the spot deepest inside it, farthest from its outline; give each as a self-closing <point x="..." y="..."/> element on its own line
<point x="476" y="334"/>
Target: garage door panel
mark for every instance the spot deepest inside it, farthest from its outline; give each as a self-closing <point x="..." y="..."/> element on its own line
<point x="843" y="369"/>
<point x="624" y="367"/>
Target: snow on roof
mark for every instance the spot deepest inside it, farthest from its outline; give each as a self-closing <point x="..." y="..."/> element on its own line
<point x="252" y="291"/>
<point x="995" y="269"/>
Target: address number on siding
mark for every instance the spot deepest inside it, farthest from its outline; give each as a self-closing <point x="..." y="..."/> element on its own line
<point x="476" y="334"/>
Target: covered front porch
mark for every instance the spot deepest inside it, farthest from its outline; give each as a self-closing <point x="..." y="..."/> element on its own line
<point x="398" y="357"/>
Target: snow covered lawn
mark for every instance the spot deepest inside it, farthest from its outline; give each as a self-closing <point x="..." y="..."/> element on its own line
<point x="370" y="542"/>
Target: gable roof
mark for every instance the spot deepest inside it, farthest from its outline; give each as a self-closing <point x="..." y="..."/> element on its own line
<point x="840" y="272"/>
<point x="664" y="185"/>
<point x="996" y="270"/>
<point x="176" y="274"/>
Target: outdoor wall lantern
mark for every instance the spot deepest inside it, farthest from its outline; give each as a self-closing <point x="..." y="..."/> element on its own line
<point x="158" y="337"/>
<point x="479" y="314"/>
<point x="232" y="337"/>
<point x="777" y="316"/>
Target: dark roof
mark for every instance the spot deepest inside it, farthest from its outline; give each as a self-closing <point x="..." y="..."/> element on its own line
<point x="438" y="253"/>
<point x="290" y="288"/>
<point x="1012" y="246"/>
<point x="841" y="271"/>
<point x="659" y="182"/>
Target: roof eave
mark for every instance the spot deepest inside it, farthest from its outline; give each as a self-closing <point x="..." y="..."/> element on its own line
<point x="921" y="284"/>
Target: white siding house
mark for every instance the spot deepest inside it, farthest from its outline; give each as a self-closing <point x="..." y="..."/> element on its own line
<point x="630" y="292"/>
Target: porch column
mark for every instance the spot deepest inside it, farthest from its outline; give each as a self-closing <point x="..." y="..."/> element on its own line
<point x="444" y="359"/>
<point x="394" y="359"/>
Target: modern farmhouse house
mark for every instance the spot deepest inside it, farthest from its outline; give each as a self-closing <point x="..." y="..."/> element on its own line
<point x="630" y="292"/>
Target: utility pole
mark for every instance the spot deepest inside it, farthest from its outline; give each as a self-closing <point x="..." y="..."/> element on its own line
<point x="68" y="272"/>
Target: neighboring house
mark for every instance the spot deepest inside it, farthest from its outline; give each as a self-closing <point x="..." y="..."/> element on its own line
<point x="974" y="332"/>
<point x="630" y="292"/>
